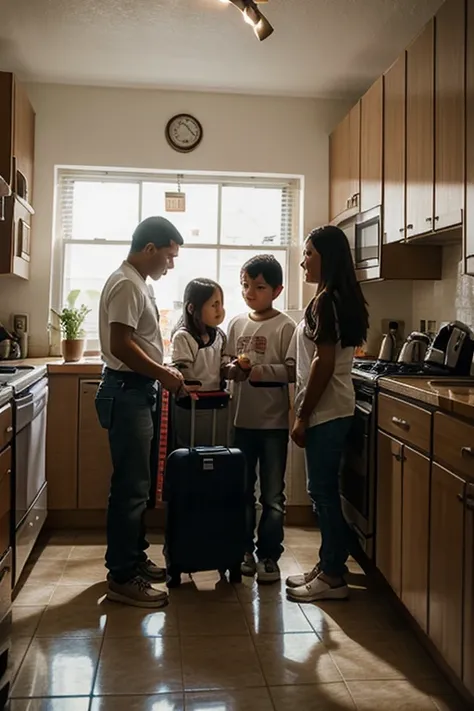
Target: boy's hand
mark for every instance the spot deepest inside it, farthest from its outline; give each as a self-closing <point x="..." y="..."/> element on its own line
<point x="171" y="379"/>
<point x="236" y="373"/>
<point x="298" y="433"/>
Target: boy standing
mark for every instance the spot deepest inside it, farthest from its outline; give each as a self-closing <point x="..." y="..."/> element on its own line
<point x="260" y="340"/>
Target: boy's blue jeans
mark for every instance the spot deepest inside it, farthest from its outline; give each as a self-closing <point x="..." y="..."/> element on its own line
<point x="268" y="449"/>
<point x="324" y="449"/>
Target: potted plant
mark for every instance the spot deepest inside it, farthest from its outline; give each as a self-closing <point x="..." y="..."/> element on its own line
<point x="71" y="319"/>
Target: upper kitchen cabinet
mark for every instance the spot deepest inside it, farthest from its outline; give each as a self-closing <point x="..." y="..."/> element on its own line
<point x="420" y="134"/>
<point x="371" y="145"/>
<point x="469" y="222"/>
<point x="17" y="137"/>
<point x="394" y="151"/>
<point x="449" y="114"/>
<point x="344" y="152"/>
<point x="17" y="130"/>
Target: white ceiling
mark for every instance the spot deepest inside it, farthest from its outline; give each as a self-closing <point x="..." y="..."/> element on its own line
<point x="323" y="48"/>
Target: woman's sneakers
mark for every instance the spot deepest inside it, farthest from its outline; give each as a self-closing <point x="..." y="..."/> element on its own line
<point x="249" y="566"/>
<point x="317" y="589"/>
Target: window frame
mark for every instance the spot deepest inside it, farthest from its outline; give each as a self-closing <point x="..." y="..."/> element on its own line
<point x="292" y="297"/>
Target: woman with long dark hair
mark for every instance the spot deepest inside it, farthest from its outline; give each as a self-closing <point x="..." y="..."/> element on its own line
<point x="335" y="323"/>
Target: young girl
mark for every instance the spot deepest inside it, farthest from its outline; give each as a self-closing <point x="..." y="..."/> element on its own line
<point x="197" y="350"/>
<point x="335" y="323"/>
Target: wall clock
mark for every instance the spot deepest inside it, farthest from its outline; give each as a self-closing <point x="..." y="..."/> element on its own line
<point x="183" y="133"/>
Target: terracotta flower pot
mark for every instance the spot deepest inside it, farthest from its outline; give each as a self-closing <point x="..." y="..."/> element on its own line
<point x="73" y="350"/>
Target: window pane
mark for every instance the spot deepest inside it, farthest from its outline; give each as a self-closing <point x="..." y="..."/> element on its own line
<point x="231" y="261"/>
<point x="105" y="210"/>
<point x="86" y="267"/>
<point x="252" y="216"/>
<point x="191" y="264"/>
<point x="198" y="225"/>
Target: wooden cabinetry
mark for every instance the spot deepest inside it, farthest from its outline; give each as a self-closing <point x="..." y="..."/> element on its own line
<point x="94" y="465"/>
<point x="468" y="660"/>
<point x="389" y="511"/>
<point x="469" y="221"/>
<point x="415" y="534"/>
<point x="344" y="153"/>
<point x="371" y="146"/>
<point x="17" y="131"/>
<point x="449" y="114"/>
<point x="446" y="565"/>
<point x="420" y="133"/>
<point x="5" y="499"/>
<point x="394" y="151"/>
<point x="6" y="425"/>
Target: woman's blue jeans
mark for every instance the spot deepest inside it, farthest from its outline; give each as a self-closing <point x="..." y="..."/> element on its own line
<point x="324" y="449"/>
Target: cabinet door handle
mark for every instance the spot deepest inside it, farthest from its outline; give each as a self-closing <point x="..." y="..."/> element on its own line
<point x="401" y="423"/>
<point x="409" y="227"/>
<point x="402" y="229"/>
<point x="468" y="501"/>
<point x="437" y="218"/>
<point x="4" y="572"/>
<point x="429" y="219"/>
<point x="398" y="457"/>
<point x="9" y="429"/>
<point x="467" y="452"/>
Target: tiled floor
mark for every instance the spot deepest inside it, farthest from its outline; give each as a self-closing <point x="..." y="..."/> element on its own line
<point x="215" y="647"/>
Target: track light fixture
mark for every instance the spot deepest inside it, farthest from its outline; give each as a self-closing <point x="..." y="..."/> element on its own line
<point x="253" y="17"/>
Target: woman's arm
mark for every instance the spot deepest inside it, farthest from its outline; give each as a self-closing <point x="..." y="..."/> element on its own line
<point x="322" y="369"/>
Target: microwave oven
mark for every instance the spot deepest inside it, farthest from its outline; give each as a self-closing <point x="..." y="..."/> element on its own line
<point x="364" y="234"/>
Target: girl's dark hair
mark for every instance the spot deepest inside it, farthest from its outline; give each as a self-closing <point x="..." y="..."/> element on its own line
<point x="196" y="293"/>
<point x="338" y="312"/>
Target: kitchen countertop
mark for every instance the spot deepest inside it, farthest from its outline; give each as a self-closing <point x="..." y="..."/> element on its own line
<point x="453" y="395"/>
<point x="56" y="366"/>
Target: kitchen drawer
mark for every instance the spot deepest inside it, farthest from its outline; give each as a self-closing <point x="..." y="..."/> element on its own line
<point x="404" y="421"/>
<point x="453" y="443"/>
<point x="29" y="530"/>
<point x="5" y="499"/>
<point x="6" y="425"/>
<point x="5" y="583"/>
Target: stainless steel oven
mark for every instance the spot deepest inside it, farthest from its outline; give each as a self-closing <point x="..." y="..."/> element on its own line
<point x="358" y="472"/>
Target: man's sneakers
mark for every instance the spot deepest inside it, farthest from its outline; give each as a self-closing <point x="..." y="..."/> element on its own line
<point x="249" y="565"/>
<point x="315" y="588"/>
<point x="151" y="572"/>
<point x="137" y="592"/>
<point x="268" y="571"/>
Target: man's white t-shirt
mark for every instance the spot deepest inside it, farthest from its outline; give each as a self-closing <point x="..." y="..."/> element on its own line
<point x="338" y="400"/>
<point x="126" y="298"/>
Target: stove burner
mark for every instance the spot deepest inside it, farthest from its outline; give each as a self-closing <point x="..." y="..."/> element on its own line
<point x="374" y="369"/>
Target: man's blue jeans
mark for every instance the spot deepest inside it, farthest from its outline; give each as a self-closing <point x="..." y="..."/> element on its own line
<point x="268" y="449"/>
<point x="324" y="449"/>
<point x="126" y="407"/>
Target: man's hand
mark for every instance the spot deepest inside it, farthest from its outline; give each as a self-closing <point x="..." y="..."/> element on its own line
<point x="298" y="433"/>
<point x="171" y="379"/>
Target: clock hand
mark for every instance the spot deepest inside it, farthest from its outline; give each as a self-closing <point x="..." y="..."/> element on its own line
<point x="191" y="132"/>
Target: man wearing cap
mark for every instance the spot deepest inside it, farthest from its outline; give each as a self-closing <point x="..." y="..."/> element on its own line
<point x="132" y="350"/>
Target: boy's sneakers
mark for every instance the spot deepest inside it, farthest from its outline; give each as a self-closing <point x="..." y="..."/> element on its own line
<point x="137" y="592"/>
<point x="249" y="566"/>
<point x="318" y="589"/>
<point x="268" y="571"/>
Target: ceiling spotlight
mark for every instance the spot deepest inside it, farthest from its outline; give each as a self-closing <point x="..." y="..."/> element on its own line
<point x="252" y="16"/>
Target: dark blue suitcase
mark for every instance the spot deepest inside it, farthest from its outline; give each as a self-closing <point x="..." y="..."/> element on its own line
<point x="204" y="491"/>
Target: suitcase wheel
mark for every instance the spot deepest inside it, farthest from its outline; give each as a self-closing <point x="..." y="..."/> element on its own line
<point x="174" y="578"/>
<point x="235" y="574"/>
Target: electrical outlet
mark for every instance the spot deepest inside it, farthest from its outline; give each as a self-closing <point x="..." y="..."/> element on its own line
<point x="20" y="323"/>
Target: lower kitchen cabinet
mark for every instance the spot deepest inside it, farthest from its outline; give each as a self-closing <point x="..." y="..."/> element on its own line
<point x="389" y="510"/>
<point x="446" y="565"/>
<point x="468" y="661"/>
<point x="415" y="534"/>
<point x="94" y="465"/>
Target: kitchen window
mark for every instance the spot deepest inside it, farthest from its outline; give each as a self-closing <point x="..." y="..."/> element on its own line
<point x="226" y="222"/>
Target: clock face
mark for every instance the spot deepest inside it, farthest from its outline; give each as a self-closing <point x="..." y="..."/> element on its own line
<point x="183" y="132"/>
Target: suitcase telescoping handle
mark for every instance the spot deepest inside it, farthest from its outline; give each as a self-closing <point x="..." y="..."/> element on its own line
<point x="220" y="399"/>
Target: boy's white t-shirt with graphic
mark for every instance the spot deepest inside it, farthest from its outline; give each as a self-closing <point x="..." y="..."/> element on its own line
<point x="265" y="343"/>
